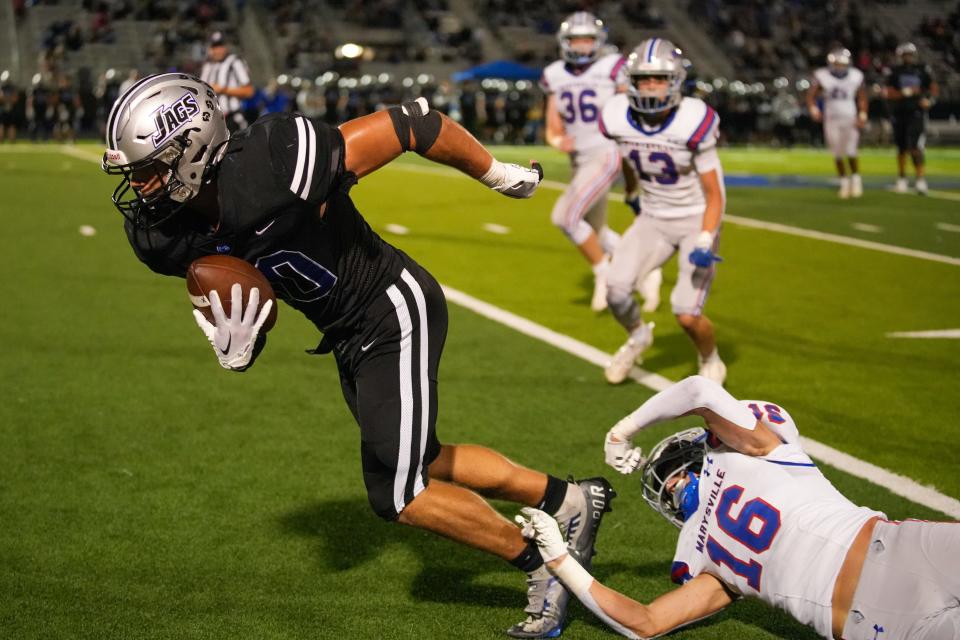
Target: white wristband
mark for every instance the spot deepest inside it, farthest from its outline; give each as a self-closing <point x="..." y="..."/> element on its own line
<point x="704" y="240"/>
<point x="495" y="175"/>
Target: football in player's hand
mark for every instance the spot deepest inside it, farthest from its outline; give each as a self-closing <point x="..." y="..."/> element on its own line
<point x="219" y="273"/>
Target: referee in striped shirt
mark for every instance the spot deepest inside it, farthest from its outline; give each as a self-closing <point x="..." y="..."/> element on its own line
<point x="229" y="76"/>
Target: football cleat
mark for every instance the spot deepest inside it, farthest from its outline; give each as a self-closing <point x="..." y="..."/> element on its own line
<point x="546" y="607"/>
<point x="649" y="289"/>
<point x="901" y="186"/>
<point x="627" y="355"/>
<point x="921" y="186"/>
<point x="713" y="369"/>
<point x="844" y="192"/>
<point x="856" y="186"/>
<point x="581" y="529"/>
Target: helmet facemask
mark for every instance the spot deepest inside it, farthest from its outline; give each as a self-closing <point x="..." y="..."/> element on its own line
<point x="581" y="25"/>
<point x="164" y="137"/>
<point x="670" y="476"/>
<point x="656" y="58"/>
<point x="838" y="61"/>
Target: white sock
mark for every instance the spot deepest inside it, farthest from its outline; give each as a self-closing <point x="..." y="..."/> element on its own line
<point x="601" y="267"/>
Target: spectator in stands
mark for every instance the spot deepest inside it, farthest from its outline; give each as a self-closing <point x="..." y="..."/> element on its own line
<point x="229" y="76"/>
<point x="910" y="91"/>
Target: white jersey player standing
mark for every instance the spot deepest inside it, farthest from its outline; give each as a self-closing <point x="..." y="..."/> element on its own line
<point x="757" y="518"/>
<point x="669" y="145"/>
<point x="577" y="86"/>
<point x="844" y="114"/>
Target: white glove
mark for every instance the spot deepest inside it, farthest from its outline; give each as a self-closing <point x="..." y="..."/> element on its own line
<point x="544" y="530"/>
<point x="512" y="180"/>
<point x="233" y="338"/>
<point x="621" y="454"/>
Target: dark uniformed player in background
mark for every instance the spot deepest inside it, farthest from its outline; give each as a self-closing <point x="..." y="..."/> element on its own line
<point x="910" y="92"/>
<point x="277" y="195"/>
<point x="229" y="76"/>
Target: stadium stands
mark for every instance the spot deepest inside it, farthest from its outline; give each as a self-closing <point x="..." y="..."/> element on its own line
<point x="341" y="58"/>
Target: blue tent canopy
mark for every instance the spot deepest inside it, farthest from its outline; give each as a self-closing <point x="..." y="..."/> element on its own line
<point x="502" y="69"/>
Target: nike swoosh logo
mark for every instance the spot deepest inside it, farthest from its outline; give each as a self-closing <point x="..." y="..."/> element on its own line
<point x="367" y="346"/>
<point x="226" y="349"/>
<point x="260" y="232"/>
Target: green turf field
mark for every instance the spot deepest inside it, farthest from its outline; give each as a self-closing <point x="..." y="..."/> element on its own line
<point x="146" y="493"/>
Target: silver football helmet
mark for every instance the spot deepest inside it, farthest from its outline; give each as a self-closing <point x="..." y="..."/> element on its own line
<point x="906" y="49"/>
<point x="669" y="483"/>
<point x="838" y="61"/>
<point x="655" y="57"/>
<point x="165" y="132"/>
<point x="581" y="24"/>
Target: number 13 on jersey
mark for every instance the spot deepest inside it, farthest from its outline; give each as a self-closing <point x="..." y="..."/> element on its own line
<point x="666" y="169"/>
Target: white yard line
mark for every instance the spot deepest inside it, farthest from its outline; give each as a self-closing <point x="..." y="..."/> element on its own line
<point x="953" y="334"/>
<point x="742" y="221"/>
<point x="900" y="485"/>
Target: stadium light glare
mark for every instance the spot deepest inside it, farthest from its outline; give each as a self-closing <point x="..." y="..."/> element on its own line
<point x="383" y="78"/>
<point x="349" y="50"/>
<point x="5" y="75"/>
<point x="803" y="84"/>
<point x="282" y="79"/>
<point x="296" y="82"/>
<point x="408" y="82"/>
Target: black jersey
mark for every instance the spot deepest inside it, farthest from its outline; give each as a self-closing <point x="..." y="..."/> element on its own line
<point x="916" y="80"/>
<point x="272" y="180"/>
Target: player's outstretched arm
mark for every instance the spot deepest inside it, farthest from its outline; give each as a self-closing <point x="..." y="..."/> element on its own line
<point x="702" y="596"/>
<point x="374" y="140"/>
<point x="729" y="419"/>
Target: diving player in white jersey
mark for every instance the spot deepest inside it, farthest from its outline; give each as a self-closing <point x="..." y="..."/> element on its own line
<point x="757" y="518"/>
<point x="844" y="114"/>
<point x="577" y="86"/>
<point x="669" y="143"/>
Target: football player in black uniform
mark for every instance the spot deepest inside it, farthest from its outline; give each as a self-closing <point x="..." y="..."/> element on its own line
<point x="910" y="92"/>
<point x="277" y="195"/>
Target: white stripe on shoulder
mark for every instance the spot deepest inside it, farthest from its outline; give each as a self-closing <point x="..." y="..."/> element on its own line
<point x="301" y="156"/>
<point x="311" y="157"/>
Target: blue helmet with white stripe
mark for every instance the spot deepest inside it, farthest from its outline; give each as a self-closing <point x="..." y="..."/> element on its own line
<point x="164" y="134"/>
<point x="655" y="58"/>
<point x="670" y="476"/>
<point x="581" y="24"/>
